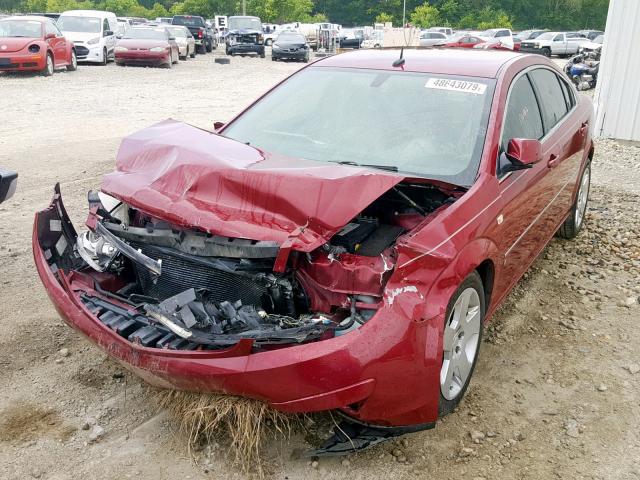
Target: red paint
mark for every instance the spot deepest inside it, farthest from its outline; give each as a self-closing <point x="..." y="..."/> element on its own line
<point x="387" y="371"/>
<point x="22" y="60"/>
<point x="139" y="52"/>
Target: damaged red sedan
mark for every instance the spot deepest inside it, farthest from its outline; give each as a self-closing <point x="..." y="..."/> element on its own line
<point x="333" y="246"/>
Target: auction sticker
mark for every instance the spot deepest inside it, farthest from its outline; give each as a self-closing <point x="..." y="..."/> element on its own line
<point x="456" y="85"/>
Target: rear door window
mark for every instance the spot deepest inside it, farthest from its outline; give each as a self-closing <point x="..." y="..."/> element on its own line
<point x="552" y="99"/>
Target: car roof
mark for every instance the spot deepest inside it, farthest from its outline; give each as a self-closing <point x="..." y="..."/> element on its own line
<point x="88" y="13"/>
<point x="473" y="63"/>
<point x="36" y="18"/>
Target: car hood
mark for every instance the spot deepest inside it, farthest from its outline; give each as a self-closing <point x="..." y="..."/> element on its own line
<point x="245" y="31"/>
<point x="15" y="44"/>
<point x="81" y="37"/>
<point x="197" y="179"/>
<point x="141" y="43"/>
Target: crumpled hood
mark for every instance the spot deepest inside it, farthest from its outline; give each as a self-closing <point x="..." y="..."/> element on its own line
<point x="194" y="178"/>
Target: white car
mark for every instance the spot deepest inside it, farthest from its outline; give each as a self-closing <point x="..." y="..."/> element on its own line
<point x="429" y="39"/>
<point x="93" y="33"/>
<point x="554" y="43"/>
<point x="592" y="46"/>
<point x="446" y="30"/>
<point x="184" y="39"/>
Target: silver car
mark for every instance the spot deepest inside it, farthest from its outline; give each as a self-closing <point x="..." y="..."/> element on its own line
<point x="184" y="39"/>
<point x="429" y="39"/>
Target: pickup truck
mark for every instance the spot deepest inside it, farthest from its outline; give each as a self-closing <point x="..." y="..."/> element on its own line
<point x="554" y="43"/>
<point x="206" y="41"/>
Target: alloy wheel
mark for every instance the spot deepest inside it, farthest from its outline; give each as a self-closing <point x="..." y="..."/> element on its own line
<point x="461" y="339"/>
<point x="583" y="195"/>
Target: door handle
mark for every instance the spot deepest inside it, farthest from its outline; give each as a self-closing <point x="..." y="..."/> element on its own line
<point x="584" y="127"/>
<point x="553" y="161"/>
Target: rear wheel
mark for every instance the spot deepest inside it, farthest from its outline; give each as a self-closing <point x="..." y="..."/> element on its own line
<point x="461" y="341"/>
<point x="546" y="51"/>
<point x="73" y="65"/>
<point x="48" y="68"/>
<point x="574" y="222"/>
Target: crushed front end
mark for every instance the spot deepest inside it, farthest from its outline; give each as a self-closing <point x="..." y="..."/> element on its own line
<point x="317" y="317"/>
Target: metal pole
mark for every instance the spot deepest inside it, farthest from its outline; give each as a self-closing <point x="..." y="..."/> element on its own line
<point x="244" y="7"/>
<point x="404" y="13"/>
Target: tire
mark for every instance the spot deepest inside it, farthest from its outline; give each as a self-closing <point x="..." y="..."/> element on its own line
<point x="275" y="59"/>
<point x="202" y="49"/>
<point x="546" y="51"/>
<point x="306" y="58"/>
<point x="574" y="222"/>
<point x="73" y="66"/>
<point x="177" y="58"/>
<point x="105" y="57"/>
<point x="193" y="54"/>
<point x="461" y="342"/>
<point x="170" y="64"/>
<point x="262" y="55"/>
<point x="222" y="61"/>
<point x="49" y="66"/>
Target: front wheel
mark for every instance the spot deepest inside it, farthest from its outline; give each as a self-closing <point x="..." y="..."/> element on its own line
<point x="73" y="65"/>
<point x="461" y="341"/>
<point x="574" y="222"/>
<point x="48" y="68"/>
<point x="105" y="57"/>
<point x="546" y="52"/>
<point x="193" y="54"/>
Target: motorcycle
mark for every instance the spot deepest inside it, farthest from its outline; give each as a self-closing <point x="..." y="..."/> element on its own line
<point x="582" y="69"/>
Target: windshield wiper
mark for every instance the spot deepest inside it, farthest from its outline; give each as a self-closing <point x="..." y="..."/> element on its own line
<point x="388" y="168"/>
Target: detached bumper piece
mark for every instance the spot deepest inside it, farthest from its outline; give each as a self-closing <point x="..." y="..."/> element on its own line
<point x="350" y="436"/>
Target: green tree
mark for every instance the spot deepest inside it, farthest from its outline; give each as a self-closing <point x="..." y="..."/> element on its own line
<point x="384" y="17"/>
<point x="425" y="16"/>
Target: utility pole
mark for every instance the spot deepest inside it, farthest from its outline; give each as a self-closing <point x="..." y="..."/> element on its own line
<point x="404" y="13"/>
<point x="244" y="7"/>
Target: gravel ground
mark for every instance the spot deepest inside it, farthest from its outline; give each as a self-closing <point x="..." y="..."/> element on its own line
<point x="555" y="395"/>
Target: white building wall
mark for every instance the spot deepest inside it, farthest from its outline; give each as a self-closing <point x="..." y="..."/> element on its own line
<point x="617" y="95"/>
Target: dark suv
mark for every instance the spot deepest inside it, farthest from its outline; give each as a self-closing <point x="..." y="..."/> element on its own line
<point x="206" y="41"/>
<point x="245" y="36"/>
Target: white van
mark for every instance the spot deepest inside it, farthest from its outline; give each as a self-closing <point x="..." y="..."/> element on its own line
<point x="92" y="32"/>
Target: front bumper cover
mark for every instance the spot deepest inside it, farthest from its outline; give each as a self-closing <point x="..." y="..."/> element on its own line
<point x="385" y="373"/>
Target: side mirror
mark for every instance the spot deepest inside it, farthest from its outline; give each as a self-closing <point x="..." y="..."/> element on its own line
<point x="218" y="125"/>
<point x="522" y="153"/>
<point x="108" y="33"/>
<point x="8" y="184"/>
<point x="49" y="36"/>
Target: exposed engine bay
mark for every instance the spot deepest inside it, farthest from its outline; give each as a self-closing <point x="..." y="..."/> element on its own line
<point x="165" y="286"/>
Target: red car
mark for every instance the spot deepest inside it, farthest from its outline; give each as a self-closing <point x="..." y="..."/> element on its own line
<point x="463" y="41"/>
<point x="30" y="43"/>
<point x="151" y="46"/>
<point x="315" y="257"/>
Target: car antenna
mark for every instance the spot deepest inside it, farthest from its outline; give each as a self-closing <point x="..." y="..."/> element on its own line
<point x="400" y="61"/>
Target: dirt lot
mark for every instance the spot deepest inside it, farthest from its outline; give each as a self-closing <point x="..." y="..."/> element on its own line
<point x="556" y="393"/>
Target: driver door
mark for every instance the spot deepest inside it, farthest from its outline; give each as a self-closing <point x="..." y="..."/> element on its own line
<point x="524" y="193"/>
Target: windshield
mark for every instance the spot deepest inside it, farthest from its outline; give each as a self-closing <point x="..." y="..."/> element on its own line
<point x="188" y="21"/>
<point x="20" y="28"/>
<point x="146" y="34"/>
<point x="291" y="37"/>
<point x="599" y="39"/>
<point x="488" y="33"/>
<point x="178" y="32"/>
<point x="426" y="125"/>
<point x="80" y="24"/>
<point x="547" y="36"/>
<point x="244" y="23"/>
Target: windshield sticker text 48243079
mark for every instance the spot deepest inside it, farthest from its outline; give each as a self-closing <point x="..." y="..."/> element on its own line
<point x="456" y="85"/>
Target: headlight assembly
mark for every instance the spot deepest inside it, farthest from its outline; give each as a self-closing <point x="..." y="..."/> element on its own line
<point x="121" y="49"/>
<point x="158" y="49"/>
<point x="93" y="41"/>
